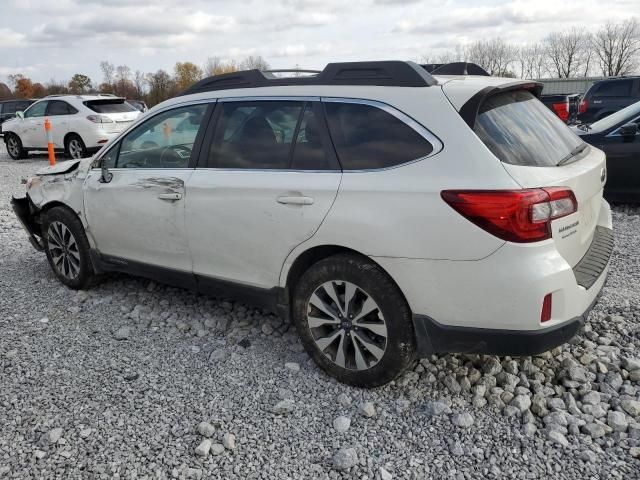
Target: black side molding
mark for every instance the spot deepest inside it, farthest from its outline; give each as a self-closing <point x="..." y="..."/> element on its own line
<point x="274" y="299"/>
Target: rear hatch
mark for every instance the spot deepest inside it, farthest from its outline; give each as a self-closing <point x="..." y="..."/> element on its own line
<point x="538" y="150"/>
<point x="116" y="109"/>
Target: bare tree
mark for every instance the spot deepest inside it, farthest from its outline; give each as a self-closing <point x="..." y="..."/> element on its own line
<point x="217" y="66"/>
<point x="568" y="53"/>
<point x="617" y="47"/>
<point x="532" y="61"/>
<point x="139" y="82"/>
<point x="494" y="55"/>
<point x="107" y="72"/>
<point x="161" y="86"/>
<point x="252" y="62"/>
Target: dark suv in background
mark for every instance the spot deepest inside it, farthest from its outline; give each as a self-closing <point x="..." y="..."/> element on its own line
<point x="608" y="96"/>
<point x="8" y="109"/>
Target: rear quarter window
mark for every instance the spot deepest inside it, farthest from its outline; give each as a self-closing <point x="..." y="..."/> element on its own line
<point x="521" y="130"/>
<point x="619" y="88"/>
<point x="367" y="137"/>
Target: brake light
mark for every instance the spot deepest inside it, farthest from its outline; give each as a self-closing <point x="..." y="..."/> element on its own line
<point x="520" y="216"/>
<point x="545" y="316"/>
<point x="99" y="119"/>
<point x="562" y="110"/>
<point x="584" y="104"/>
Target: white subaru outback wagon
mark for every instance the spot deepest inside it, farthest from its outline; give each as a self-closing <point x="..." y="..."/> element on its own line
<point x="389" y="211"/>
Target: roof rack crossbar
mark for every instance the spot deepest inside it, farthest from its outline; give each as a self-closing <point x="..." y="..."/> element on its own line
<point x="381" y="73"/>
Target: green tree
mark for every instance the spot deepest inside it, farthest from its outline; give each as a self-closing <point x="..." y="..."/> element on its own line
<point x="79" y="84"/>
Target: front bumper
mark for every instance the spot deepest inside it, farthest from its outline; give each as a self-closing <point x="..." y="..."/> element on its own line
<point x="23" y="209"/>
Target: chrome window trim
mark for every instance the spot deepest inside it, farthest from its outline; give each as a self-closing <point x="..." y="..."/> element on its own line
<point x="271" y="98"/>
<point x="143" y="117"/>
<point x="420" y="129"/>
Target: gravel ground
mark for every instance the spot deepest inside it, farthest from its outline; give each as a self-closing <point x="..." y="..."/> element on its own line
<point x="137" y="380"/>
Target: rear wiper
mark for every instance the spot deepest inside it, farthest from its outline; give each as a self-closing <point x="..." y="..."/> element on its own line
<point x="579" y="149"/>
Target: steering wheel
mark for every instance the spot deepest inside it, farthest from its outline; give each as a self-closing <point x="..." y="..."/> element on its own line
<point x="175" y="155"/>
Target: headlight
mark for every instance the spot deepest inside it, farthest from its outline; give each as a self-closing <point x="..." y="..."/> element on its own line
<point x="33" y="182"/>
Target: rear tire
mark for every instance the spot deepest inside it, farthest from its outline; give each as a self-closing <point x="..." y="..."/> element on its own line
<point x="14" y="146"/>
<point x="75" y="147"/>
<point x="67" y="248"/>
<point x="330" y="305"/>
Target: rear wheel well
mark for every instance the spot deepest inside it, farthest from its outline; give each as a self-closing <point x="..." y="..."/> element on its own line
<point x="68" y="136"/>
<point x="312" y="256"/>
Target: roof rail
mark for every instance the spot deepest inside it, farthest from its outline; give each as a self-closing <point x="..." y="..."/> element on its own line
<point x="291" y="70"/>
<point x="386" y="73"/>
<point x="455" y="68"/>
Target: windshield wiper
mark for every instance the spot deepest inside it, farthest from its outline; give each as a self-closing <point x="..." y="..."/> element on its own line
<point x="579" y="149"/>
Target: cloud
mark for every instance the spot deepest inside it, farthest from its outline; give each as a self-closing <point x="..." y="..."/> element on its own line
<point x="301" y="50"/>
<point x="11" y="38"/>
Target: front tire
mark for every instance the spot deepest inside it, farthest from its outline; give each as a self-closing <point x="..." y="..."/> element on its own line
<point x="75" y="147"/>
<point x="354" y="321"/>
<point x="14" y="147"/>
<point x="67" y="248"/>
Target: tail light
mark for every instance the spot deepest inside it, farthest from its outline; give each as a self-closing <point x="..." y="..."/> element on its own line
<point x="99" y="119"/>
<point x="584" y="104"/>
<point x="545" y="315"/>
<point x="562" y="110"/>
<point x="520" y="216"/>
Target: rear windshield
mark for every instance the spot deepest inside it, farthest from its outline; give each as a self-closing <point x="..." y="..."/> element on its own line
<point x="520" y="130"/>
<point x="111" y="105"/>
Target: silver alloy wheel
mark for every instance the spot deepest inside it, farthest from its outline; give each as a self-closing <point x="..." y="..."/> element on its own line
<point x="64" y="250"/>
<point x="13" y="147"/>
<point x="75" y="148"/>
<point x="347" y="325"/>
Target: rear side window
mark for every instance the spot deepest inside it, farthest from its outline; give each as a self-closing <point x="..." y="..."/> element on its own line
<point x="109" y="106"/>
<point x="618" y="88"/>
<point x="367" y="137"/>
<point x="58" y="107"/>
<point x="520" y="130"/>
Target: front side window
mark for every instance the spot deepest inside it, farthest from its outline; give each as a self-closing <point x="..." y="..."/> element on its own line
<point x="36" y="110"/>
<point x="255" y="135"/>
<point x="163" y="141"/>
<point x="367" y="137"/>
<point x="520" y="130"/>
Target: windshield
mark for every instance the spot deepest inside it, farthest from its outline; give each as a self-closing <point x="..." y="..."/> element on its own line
<point x="111" y="105"/>
<point x="520" y="130"/>
<point x="621" y="116"/>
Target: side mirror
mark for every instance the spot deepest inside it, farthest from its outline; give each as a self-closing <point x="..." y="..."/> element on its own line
<point x="20" y="114"/>
<point x="630" y="129"/>
<point x="106" y="176"/>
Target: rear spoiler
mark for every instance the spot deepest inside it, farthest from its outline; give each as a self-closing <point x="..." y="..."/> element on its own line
<point x="469" y="111"/>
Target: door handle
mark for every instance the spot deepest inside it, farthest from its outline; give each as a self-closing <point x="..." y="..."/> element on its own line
<point x="295" y="200"/>
<point x="171" y="197"/>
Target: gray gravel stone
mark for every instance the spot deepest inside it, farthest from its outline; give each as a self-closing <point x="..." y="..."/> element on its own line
<point x="345" y="458"/>
<point x="617" y="421"/>
<point x="202" y="450"/>
<point x="341" y="424"/>
<point x="367" y="409"/>
<point x="206" y="429"/>
<point x="284" y="407"/>
<point x="229" y="441"/>
<point x="558" y="438"/>
<point x="463" y="420"/>
<point x="632" y="407"/>
<point x="123" y="333"/>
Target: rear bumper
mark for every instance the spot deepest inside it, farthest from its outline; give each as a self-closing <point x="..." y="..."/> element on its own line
<point x="433" y="337"/>
<point x="23" y="210"/>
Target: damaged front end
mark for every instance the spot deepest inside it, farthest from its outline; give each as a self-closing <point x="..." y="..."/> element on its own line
<point x="55" y="185"/>
<point x="26" y="213"/>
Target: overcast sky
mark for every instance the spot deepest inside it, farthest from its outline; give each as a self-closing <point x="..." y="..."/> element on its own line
<point x="53" y="39"/>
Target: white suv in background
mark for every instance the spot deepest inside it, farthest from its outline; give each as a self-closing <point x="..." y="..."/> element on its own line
<point x="390" y="212"/>
<point x="81" y="124"/>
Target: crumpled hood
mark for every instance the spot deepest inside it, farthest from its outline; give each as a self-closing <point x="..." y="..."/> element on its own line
<point x="63" y="167"/>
